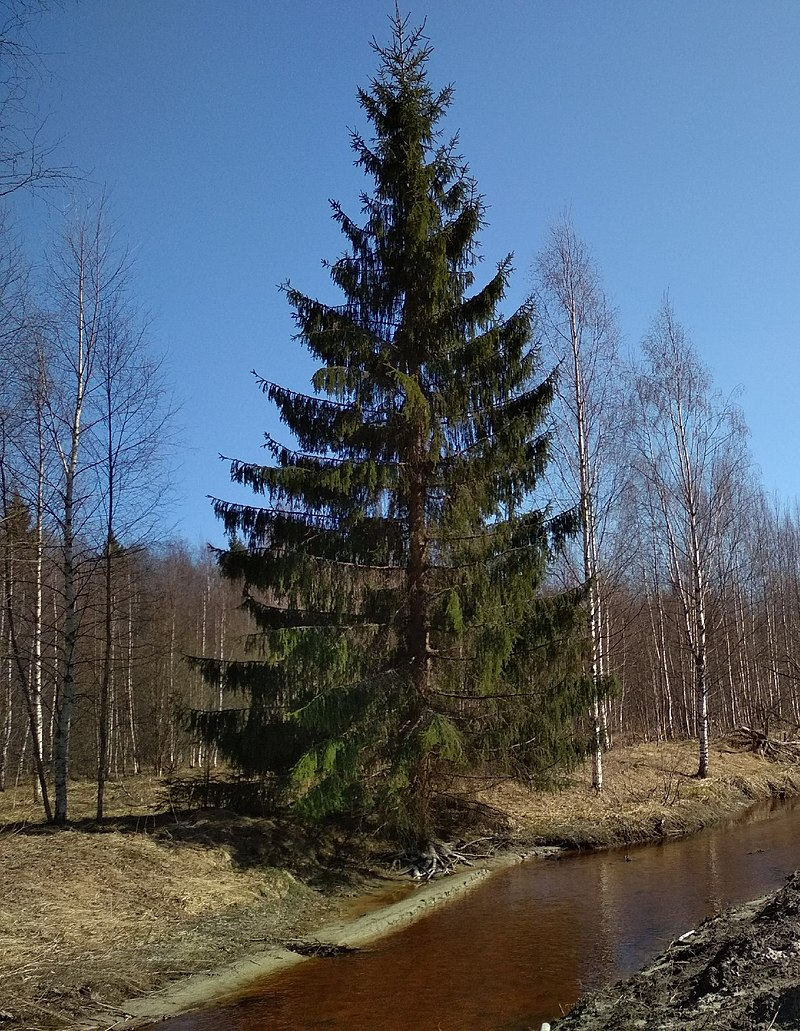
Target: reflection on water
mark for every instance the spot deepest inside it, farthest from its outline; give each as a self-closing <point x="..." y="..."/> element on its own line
<point x="521" y="948"/>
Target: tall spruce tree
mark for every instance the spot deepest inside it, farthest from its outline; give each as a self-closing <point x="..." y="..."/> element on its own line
<point x="395" y="575"/>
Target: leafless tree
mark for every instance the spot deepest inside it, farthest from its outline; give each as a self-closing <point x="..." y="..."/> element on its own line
<point x="22" y="474"/>
<point x="86" y="271"/>
<point x="133" y="433"/>
<point x="109" y="421"/>
<point x="690" y="454"/>
<point x="580" y="335"/>
<point x="26" y="152"/>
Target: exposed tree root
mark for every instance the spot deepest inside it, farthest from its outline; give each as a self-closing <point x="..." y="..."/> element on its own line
<point x="771" y="748"/>
<point x="439" y="858"/>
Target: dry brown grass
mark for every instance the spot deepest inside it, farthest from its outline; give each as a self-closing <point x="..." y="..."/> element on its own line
<point x="92" y="916"/>
<point x="650" y="791"/>
<point x="89" y="918"/>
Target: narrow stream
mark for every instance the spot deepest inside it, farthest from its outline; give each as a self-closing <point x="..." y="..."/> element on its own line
<point x="524" y="946"/>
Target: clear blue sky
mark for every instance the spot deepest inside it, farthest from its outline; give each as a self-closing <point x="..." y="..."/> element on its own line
<point x="669" y="128"/>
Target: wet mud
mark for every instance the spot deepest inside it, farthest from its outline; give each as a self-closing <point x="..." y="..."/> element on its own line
<point x="735" y="971"/>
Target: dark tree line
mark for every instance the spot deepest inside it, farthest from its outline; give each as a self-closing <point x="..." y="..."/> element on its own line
<point x="130" y="706"/>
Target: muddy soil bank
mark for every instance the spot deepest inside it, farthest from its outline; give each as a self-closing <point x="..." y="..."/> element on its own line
<point x="735" y="971"/>
<point x="92" y="917"/>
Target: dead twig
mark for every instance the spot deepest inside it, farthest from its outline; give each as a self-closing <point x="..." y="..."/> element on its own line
<point x="312" y="947"/>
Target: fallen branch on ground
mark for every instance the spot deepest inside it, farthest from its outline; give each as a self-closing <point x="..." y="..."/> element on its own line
<point x="770" y="748"/>
<point x="318" y="948"/>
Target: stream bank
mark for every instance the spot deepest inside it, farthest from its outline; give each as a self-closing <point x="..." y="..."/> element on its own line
<point x="343" y="935"/>
<point x="529" y="942"/>
<point x="738" y="970"/>
<point x="92" y="917"/>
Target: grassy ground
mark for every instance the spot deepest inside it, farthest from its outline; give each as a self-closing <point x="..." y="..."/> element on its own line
<point x="91" y="916"/>
<point x="650" y="792"/>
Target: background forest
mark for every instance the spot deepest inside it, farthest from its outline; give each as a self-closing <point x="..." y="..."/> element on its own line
<point x="691" y="570"/>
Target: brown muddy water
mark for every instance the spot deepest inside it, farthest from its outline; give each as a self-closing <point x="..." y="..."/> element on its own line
<point x="521" y="948"/>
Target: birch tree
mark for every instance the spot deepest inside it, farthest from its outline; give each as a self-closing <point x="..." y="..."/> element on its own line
<point x="23" y="464"/>
<point x="690" y="453"/>
<point x="133" y="431"/>
<point x="86" y="271"/>
<point x="580" y="336"/>
<point x="26" y="155"/>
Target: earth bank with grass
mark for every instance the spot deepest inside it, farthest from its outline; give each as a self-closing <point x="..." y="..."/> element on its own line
<point x="93" y="916"/>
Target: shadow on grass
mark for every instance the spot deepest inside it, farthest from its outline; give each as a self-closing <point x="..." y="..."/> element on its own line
<point x="236" y="816"/>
